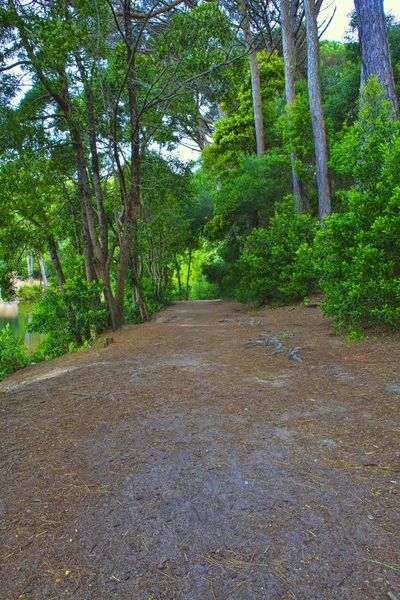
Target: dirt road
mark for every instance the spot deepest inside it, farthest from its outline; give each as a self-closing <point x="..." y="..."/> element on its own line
<point x="196" y="458"/>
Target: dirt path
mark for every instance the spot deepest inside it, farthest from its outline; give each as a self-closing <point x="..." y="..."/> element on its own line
<point x="182" y="462"/>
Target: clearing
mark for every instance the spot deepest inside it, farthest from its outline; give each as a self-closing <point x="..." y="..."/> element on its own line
<point x="183" y="462"/>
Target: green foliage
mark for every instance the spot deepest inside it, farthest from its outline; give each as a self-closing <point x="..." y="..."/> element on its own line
<point x="13" y="353"/>
<point x="359" y="248"/>
<point x="246" y="195"/>
<point x="7" y="291"/>
<point x="277" y="264"/>
<point x="67" y="321"/>
<point x="235" y="133"/>
<point x="340" y="83"/>
<point x="28" y="291"/>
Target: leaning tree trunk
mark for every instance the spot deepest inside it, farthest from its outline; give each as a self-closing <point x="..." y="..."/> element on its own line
<point x="289" y="58"/>
<point x="137" y="298"/>
<point x="255" y="79"/>
<point x="178" y="277"/>
<point x="317" y="113"/>
<point x="51" y="243"/>
<point x="375" y="54"/>
<point x="42" y="272"/>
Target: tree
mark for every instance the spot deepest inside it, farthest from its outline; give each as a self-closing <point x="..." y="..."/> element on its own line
<point x="375" y="53"/>
<point x="255" y="78"/>
<point x="109" y="78"/>
<point x="288" y="11"/>
<point x="317" y="113"/>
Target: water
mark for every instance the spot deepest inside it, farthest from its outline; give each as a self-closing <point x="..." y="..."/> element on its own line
<point x="17" y="314"/>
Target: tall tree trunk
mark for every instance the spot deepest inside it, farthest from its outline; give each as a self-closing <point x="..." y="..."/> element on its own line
<point x="51" y="243"/>
<point x="43" y="272"/>
<point x="29" y="266"/>
<point x="255" y="78"/>
<point x="178" y="277"/>
<point x="133" y="196"/>
<point x="188" y="275"/>
<point x="375" y="53"/>
<point x="317" y="113"/>
<point x="288" y="22"/>
<point x="101" y="215"/>
<point x="78" y="245"/>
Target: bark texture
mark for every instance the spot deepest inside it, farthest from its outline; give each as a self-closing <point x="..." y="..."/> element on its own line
<point x="288" y="11"/>
<point x="255" y="79"/>
<point x="317" y="113"/>
<point x="43" y="272"/>
<point x="375" y="54"/>
<point x="51" y="243"/>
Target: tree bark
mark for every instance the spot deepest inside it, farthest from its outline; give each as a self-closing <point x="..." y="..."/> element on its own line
<point x="188" y="275"/>
<point x="138" y="299"/>
<point x="288" y="23"/>
<point x="133" y="195"/>
<point x="94" y="158"/>
<point x="317" y="113"/>
<point x="374" y="44"/>
<point x="255" y="79"/>
<point x="29" y="266"/>
<point x="43" y="272"/>
<point x="178" y="277"/>
<point x="56" y="261"/>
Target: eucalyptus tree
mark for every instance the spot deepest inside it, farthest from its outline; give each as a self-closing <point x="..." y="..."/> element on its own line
<point x="255" y="77"/>
<point x="375" y="52"/>
<point x="289" y="26"/>
<point x="317" y="113"/>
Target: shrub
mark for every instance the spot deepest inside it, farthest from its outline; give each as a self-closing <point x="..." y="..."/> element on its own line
<point x="28" y="291"/>
<point x="360" y="247"/>
<point x="67" y="321"/>
<point x="13" y="353"/>
<point x="277" y="263"/>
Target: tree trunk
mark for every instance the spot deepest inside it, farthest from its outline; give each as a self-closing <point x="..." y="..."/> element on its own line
<point x="29" y="266"/>
<point x="94" y="158"/>
<point x="317" y="113"/>
<point x="255" y="79"/>
<point x="138" y="299"/>
<point x="133" y="195"/>
<point x="43" y="272"/>
<point x="188" y="275"/>
<point x="51" y="243"/>
<point x="178" y="277"/>
<point x="288" y="23"/>
<point x="375" y="53"/>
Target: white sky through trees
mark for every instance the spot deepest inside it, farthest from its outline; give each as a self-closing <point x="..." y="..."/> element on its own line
<point x="339" y="25"/>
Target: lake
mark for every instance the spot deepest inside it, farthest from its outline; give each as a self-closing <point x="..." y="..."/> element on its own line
<point x="17" y="315"/>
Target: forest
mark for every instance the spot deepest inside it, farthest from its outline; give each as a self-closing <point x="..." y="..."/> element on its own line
<point x="296" y="189"/>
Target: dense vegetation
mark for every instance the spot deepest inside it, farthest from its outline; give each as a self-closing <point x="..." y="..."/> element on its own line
<point x="97" y="103"/>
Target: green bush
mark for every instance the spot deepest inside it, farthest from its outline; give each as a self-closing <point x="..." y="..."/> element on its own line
<point x="277" y="264"/>
<point x="359" y="249"/>
<point x="13" y="353"/>
<point x="67" y="321"/>
<point x="28" y="291"/>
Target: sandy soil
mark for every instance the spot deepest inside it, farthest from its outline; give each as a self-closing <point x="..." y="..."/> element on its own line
<point x="191" y="460"/>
